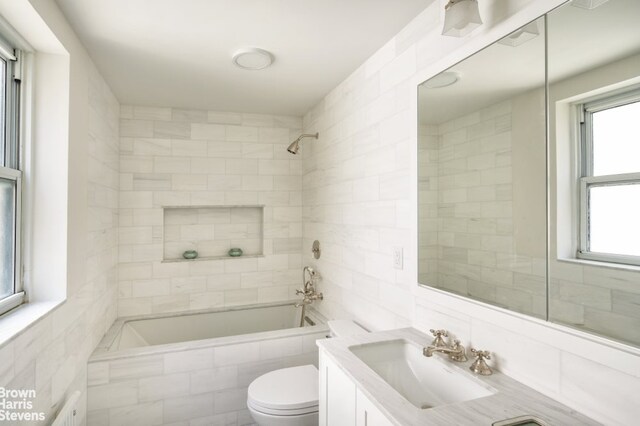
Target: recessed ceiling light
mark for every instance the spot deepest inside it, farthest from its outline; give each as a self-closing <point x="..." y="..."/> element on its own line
<point x="252" y="58"/>
<point x="442" y="80"/>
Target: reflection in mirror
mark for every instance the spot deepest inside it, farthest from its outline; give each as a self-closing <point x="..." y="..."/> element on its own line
<point x="594" y="110"/>
<point x="482" y="175"/>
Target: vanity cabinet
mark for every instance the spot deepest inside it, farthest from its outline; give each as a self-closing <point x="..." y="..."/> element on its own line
<point x="341" y="402"/>
<point x="368" y="414"/>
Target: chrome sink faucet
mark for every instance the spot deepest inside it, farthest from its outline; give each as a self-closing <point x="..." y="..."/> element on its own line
<point x="456" y="351"/>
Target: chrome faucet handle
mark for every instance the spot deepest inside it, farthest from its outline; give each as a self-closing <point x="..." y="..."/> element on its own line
<point x="458" y="354"/>
<point x="439" y="342"/>
<point x="481" y="354"/>
<point x="480" y="366"/>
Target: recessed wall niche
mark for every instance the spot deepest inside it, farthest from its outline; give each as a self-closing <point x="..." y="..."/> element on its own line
<point x="212" y="231"/>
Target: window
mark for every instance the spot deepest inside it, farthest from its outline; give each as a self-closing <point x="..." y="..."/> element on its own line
<point x="11" y="292"/>
<point x="610" y="179"/>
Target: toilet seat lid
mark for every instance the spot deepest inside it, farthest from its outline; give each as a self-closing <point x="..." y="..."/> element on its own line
<point x="285" y="389"/>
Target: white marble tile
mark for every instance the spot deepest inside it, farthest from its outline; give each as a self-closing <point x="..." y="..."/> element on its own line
<point x="216" y="379"/>
<point x="206" y="300"/>
<point x="171" y="129"/>
<point x="112" y="395"/>
<point x="149" y="414"/>
<point x="242" y="133"/>
<point x="224" y="117"/>
<point x="192" y="360"/>
<point x="189" y="115"/>
<point x="605" y="390"/>
<point x="236" y="354"/>
<point x="225" y="419"/>
<point x="163" y="387"/>
<point x="132" y="368"/>
<point x="187" y="407"/>
<point x="97" y="373"/>
<point x="188" y="148"/>
<point x="278" y="348"/>
<point x="229" y="400"/>
<point x="213" y="132"/>
<point x="151" y="113"/>
<point x="136" y="128"/>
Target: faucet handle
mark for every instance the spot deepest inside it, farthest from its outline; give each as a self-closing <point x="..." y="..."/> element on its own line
<point x="439" y="342"/>
<point x="480" y="366"/>
<point x="481" y="354"/>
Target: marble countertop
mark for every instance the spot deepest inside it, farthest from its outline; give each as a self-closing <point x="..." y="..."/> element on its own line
<point x="512" y="398"/>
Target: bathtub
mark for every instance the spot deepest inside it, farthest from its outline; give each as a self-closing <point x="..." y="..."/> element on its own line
<point x="195" y="368"/>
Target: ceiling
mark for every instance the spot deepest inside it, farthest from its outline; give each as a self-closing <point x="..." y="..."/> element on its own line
<point x="178" y="52"/>
<point x="578" y="40"/>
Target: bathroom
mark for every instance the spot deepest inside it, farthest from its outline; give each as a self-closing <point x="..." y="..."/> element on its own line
<point x="340" y="169"/>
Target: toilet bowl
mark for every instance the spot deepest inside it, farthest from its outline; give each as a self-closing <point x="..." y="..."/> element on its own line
<point x="289" y="396"/>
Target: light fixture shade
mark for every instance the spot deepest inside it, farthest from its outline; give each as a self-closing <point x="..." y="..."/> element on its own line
<point x="524" y="34"/>
<point x="461" y="17"/>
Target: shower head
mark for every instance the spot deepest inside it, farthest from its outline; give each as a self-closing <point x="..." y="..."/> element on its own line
<point x="295" y="145"/>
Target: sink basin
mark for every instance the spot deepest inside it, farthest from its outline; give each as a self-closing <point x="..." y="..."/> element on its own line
<point x="424" y="382"/>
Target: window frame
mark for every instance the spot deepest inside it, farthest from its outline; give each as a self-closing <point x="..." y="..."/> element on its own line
<point x="586" y="180"/>
<point x="12" y="167"/>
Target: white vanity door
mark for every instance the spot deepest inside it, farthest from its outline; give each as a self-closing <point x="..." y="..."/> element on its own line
<point x="368" y="414"/>
<point x="337" y="405"/>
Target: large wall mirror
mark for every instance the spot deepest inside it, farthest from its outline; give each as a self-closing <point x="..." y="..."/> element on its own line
<point x="486" y="229"/>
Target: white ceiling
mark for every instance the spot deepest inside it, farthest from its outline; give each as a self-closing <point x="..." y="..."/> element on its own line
<point x="178" y="52"/>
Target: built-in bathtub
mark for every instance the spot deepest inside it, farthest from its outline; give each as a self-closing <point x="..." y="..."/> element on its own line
<point x="194" y="368"/>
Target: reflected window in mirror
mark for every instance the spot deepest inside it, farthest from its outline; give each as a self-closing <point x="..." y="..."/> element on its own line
<point x="609" y="186"/>
<point x="594" y="182"/>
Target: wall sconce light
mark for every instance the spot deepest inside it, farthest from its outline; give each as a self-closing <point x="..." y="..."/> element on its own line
<point x="461" y="17"/>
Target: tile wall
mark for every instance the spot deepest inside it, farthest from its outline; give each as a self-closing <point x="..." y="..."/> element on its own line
<point x="203" y="386"/>
<point x="180" y="158"/>
<point x="475" y="235"/>
<point x="51" y="356"/>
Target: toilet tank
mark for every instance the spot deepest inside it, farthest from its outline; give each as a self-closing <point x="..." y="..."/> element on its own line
<point x="343" y="328"/>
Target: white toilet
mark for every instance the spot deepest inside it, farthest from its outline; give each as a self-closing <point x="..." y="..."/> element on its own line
<point x="289" y="396"/>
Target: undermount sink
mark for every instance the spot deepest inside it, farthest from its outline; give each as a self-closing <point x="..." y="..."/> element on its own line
<point x="424" y="382"/>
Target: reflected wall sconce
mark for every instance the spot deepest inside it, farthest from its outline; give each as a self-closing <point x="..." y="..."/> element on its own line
<point x="521" y="36"/>
<point x="461" y="17"/>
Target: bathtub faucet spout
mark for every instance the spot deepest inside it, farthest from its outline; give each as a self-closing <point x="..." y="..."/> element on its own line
<point x="308" y="291"/>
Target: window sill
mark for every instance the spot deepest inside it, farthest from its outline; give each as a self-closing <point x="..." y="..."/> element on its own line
<point x="20" y="319"/>
<point x="601" y="264"/>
